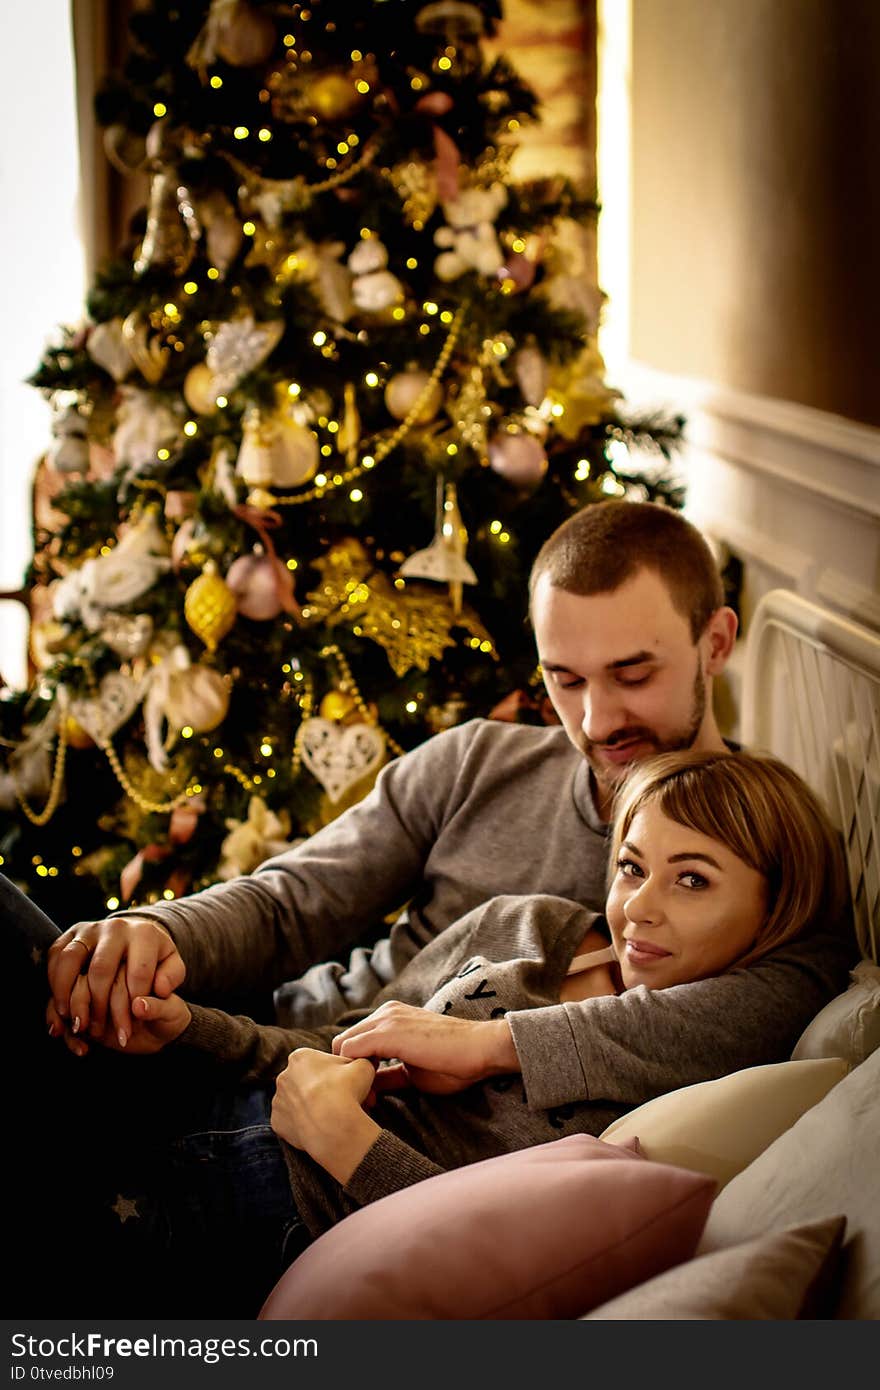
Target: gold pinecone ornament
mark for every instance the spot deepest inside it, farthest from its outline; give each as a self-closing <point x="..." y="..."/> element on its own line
<point x="209" y="607"/>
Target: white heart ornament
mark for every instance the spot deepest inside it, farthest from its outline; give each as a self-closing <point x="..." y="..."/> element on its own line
<point x="116" y="701"/>
<point x="338" y="757"/>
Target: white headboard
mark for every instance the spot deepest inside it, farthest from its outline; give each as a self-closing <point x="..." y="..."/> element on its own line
<point x="811" y="695"/>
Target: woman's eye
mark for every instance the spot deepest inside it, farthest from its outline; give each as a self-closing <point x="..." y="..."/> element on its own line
<point x="629" y="868"/>
<point x="692" y="880"/>
<point x="570" y="684"/>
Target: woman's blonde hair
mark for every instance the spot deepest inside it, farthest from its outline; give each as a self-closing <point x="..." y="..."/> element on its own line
<point x="765" y="814"/>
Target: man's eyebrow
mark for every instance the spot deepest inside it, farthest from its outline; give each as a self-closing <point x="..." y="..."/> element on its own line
<point x="637" y="659"/>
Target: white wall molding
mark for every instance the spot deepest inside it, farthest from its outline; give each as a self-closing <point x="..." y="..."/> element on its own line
<point x="793" y="491"/>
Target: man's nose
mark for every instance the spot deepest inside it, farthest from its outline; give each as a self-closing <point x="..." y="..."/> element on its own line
<point x="602" y="714"/>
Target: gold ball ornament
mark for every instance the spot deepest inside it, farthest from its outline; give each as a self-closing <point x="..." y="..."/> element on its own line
<point x="199" y="390"/>
<point x="209" y="607"/>
<point x="404" y="389"/>
<point x="338" y="705"/>
<point x="333" y="96"/>
<point x="197" y="697"/>
<point x="76" y="735"/>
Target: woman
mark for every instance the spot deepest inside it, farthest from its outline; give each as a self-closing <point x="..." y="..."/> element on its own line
<point x="717" y="859"/>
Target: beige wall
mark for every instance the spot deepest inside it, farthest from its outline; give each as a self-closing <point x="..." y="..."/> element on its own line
<point x="756" y="197"/>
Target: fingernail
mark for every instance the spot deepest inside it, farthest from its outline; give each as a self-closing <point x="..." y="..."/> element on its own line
<point x="123" y="1037"/>
<point x="80" y="1051"/>
<point x="52" y="1032"/>
<point x="75" y="1024"/>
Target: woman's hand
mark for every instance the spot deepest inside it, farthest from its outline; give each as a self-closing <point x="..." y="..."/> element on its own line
<point x="97" y="968"/>
<point x="442" y="1054"/>
<point x="318" y="1107"/>
<point x="154" y="1024"/>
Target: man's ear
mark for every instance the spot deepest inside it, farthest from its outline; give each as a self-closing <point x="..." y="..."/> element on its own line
<point x="718" y="640"/>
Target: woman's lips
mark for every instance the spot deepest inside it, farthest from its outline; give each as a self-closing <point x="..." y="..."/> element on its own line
<point x="643" y="953"/>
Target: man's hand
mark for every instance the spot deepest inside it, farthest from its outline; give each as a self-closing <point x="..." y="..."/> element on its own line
<point x="86" y="978"/>
<point x="442" y="1054"/>
<point x="155" y="1023"/>
<point x="318" y="1107"/>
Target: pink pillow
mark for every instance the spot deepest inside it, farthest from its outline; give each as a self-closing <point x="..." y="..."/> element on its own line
<point x="547" y="1232"/>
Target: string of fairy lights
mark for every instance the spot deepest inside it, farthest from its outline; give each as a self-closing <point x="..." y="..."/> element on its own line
<point x="351" y="156"/>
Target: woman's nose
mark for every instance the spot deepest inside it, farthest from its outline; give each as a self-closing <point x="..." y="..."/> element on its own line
<point x="644" y="905"/>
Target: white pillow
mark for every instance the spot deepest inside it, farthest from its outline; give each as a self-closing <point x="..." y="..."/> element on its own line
<point x="850" y="1025"/>
<point x="719" y="1127"/>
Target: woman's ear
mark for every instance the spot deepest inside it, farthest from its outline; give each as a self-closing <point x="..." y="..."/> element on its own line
<point x="718" y="640"/>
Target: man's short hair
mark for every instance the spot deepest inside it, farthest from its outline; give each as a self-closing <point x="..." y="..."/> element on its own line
<point x="607" y="543"/>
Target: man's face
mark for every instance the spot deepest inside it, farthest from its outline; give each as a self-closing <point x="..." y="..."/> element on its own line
<point x="624" y="674"/>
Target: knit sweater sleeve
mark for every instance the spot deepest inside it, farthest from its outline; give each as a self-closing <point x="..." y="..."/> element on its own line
<point x="252" y="1052"/>
<point x="387" y="1166"/>
<point x="630" y="1047"/>
<point x="315" y="901"/>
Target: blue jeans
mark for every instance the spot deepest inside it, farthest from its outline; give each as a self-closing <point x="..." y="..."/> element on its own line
<point x="163" y="1186"/>
<point x="213" y="1226"/>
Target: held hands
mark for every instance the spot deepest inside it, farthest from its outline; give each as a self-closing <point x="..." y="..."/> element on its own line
<point x="97" y="968"/>
<point x="441" y="1054"/>
<point x="318" y="1107"/>
<point x="154" y="1024"/>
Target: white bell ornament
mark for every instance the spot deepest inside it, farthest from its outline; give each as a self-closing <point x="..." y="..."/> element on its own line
<point x="276" y="451"/>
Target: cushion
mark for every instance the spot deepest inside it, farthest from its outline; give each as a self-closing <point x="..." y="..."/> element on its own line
<point x="786" y="1275"/>
<point x="850" y="1025"/>
<point x="824" y="1165"/>
<point x="547" y="1232"/>
<point x="718" y="1127"/>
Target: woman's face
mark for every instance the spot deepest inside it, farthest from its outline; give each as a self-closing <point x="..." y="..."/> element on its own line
<point x="682" y="906"/>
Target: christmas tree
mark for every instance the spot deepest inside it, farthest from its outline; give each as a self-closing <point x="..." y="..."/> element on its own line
<point x="323" y="410"/>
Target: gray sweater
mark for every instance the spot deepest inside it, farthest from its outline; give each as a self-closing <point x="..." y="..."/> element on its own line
<point x="482" y="810"/>
<point x="585" y="1063"/>
<point x="486" y="809"/>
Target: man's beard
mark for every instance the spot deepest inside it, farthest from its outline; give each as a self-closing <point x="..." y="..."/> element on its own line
<point x="609" y="775"/>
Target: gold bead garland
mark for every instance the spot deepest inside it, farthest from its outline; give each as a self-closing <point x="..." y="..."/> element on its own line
<point x="131" y="791"/>
<point x="298" y="189"/>
<point x="43" y="817"/>
<point x="387" y="445"/>
<point x="241" y="777"/>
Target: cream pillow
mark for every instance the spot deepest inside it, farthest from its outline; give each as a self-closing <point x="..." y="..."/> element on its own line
<point x="783" y="1275"/>
<point x="719" y="1127"/>
<point x="850" y="1025"/>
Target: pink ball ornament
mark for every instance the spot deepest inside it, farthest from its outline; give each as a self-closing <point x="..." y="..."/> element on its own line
<point x="252" y="578"/>
<point x="520" y="458"/>
<point x="517" y="273"/>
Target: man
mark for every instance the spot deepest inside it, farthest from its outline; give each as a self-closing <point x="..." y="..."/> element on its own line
<point x="631" y="629"/>
<point x="628" y="612"/>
